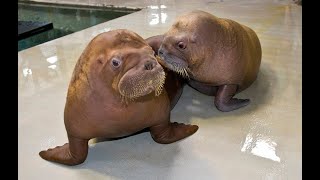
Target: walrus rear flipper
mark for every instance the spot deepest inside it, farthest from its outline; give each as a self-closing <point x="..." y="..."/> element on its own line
<point x="72" y="153"/>
<point x="155" y="42"/>
<point x="168" y="132"/>
<point x="224" y="100"/>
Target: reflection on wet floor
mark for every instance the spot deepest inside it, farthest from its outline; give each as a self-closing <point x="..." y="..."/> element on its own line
<point x="260" y="146"/>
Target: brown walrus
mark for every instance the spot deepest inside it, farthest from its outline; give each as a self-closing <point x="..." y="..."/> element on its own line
<point x="220" y="57"/>
<point x="115" y="91"/>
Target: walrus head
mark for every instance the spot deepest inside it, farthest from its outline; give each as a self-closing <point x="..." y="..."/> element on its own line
<point x="174" y="53"/>
<point x="181" y="48"/>
<point x="126" y="63"/>
<point x="177" y="49"/>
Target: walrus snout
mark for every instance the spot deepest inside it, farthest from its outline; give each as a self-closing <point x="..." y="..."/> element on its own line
<point x="173" y="62"/>
<point x="163" y="53"/>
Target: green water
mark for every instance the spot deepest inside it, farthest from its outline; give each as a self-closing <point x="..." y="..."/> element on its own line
<point x="66" y="20"/>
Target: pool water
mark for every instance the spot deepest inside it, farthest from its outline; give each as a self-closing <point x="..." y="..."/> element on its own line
<point x="66" y="20"/>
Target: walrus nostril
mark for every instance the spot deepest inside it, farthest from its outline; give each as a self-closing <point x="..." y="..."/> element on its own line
<point x="160" y="52"/>
<point x="149" y="65"/>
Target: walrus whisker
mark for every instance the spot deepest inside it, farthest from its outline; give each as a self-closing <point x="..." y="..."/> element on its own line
<point x="181" y="71"/>
<point x="124" y="99"/>
<point x="186" y="73"/>
<point x="159" y="89"/>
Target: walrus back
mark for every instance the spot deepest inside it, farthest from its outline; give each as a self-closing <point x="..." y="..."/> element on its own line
<point x="253" y="53"/>
<point x="245" y="49"/>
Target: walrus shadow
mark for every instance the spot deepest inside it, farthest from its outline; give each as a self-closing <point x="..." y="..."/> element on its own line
<point x="131" y="157"/>
<point x="195" y="104"/>
<point x="138" y="157"/>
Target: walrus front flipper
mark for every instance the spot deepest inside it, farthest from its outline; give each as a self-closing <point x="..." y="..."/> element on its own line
<point x="72" y="153"/>
<point x="155" y="42"/>
<point x="224" y="101"/>
<point x="171" y="132"/>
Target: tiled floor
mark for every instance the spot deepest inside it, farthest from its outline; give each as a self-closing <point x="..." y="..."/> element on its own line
<point x="260" y="141"/>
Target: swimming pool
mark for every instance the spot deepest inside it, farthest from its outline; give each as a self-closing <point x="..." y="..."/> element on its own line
<point x="66" y="19"/>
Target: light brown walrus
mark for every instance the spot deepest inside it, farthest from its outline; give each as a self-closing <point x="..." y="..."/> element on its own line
<point x="219" y="57"/>
<point x="116" y="90"/>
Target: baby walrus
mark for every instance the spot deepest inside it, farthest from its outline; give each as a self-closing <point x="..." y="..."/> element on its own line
<point x="116" y="90"/>
<point x="219" y="57"/>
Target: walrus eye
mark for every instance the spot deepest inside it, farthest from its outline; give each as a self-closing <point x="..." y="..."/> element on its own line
<point x="115" y="63"/>
<point x="181" y="45"/>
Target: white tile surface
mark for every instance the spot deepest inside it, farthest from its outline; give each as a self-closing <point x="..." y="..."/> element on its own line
<point x="260" y="141"/>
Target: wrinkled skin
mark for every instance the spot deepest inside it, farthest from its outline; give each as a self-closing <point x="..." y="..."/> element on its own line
<point x="116" y="90"/>
<point x="218" y="57"/>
